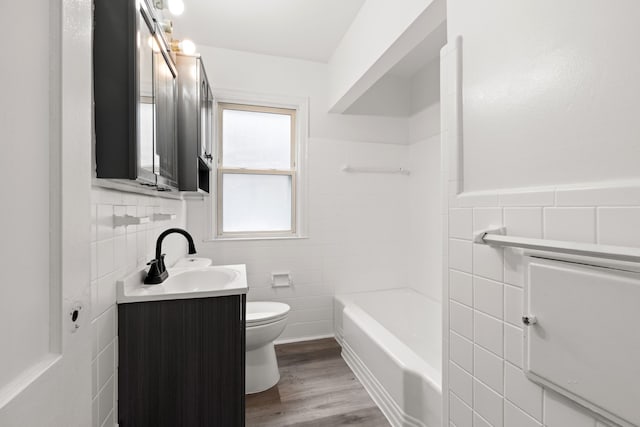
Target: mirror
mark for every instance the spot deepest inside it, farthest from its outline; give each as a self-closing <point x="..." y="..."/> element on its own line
<point x="146" y="99"/>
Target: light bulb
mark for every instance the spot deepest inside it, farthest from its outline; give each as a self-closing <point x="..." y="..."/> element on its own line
<point x="176" y="7"/>
<point x="187" y="47"/>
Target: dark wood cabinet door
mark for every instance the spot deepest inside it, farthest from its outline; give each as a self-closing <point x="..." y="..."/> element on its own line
<point x="181" y="363"/>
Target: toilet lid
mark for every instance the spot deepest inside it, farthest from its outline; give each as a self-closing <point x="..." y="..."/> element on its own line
<point x="261" y="312"/>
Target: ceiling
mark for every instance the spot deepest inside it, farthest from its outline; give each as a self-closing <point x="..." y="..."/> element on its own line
<point x="304" y="29"/>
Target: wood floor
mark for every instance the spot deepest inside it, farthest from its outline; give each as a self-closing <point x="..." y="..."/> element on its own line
<point x="316" y="389"/>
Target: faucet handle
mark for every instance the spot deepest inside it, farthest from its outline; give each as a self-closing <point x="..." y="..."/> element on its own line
<point x="157" y="273"/>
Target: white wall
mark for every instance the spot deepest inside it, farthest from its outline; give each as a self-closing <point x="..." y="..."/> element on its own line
<point x="425" y="187"/>
<point x="358" y="223"/>
<point x="357" y="235"/>
<point x="425" y="218"/>
<point x="377" y="26"/>
<point x="546" y="82"/>
<point x="390" y="96"/>
<point x="229" y="69"/>
<point x="401" y="95"/>
<point x="552" y="103"/>
<point x="116" y="252"/>
<point x="425" y="90"/>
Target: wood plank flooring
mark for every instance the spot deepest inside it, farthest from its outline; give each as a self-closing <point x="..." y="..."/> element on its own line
<point x="316" y="389"/>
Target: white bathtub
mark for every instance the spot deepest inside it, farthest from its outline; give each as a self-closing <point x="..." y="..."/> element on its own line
<point x="392" y="341"/>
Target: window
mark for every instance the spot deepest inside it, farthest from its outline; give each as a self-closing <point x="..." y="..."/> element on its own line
<point x="257" y="171"/>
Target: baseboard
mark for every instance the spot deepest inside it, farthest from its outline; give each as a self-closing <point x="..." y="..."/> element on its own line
<point x="303" y="339"/>
<point x="339" y="336"/>
<point x="394" y="414"/>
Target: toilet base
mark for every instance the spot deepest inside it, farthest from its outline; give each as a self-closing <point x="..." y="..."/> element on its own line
<point x="261" y="369"/>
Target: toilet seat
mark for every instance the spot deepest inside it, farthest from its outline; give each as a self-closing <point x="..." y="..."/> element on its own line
<point x="263" y="312"/>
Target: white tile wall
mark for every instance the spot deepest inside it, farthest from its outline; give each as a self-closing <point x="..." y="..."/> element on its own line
<point x="488" y="404"/>
<point x="525" y="222"/>
<point x="460" y="255"/>
<point x="523" y="393"/>
<point x="488" y="368"/>
<point x="461" y="383"/>
<point x="461" y="351"/>
<point x="485" y="304"/>
<point x="488" y="262"/>
<point x="478" y="421"/>
<point x="483" y="360"/>
<point x="513" y="267"/>
<point x="116" y="252"/>
<point x="488" y="332"/>
<point x="513" y="345"/>
<point x="484" y="218"/>
<point x="461" y="413"/>
<point x="358" y="237"/>
<point x="488" y="296"/>
<point x="424" y="245"/>
<point x="461" y="223"/>
<point x="513" y="297"/>
<point x="570" y="224"/>
<point x="513" y="416"/>
<point x="461" y="287"/>
<point x="461" y="319"/>
<point x="560" y="412"/>
<point x="619" y="226"/>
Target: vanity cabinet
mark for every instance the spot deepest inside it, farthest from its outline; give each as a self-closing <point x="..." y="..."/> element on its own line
<point x="195" y="124"/>
<point x="182" y="362"/>
<point x="135" y="96"/>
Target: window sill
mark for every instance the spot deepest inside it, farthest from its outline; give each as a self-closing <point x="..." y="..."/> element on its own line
<point x="236" y="239"/>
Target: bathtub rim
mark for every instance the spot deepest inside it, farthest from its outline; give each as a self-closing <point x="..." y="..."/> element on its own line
<point x="429" y="373"/>
<point x="389" y="407"/>
<point x="349" y="312"/>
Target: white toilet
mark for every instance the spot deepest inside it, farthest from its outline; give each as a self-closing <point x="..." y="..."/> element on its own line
<point x="265" y="323"/>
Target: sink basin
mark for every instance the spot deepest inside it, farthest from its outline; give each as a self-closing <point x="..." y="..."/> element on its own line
<point x="184" y="283"/>
<point x="192" y="262"/>
<point x="199" y="279"/>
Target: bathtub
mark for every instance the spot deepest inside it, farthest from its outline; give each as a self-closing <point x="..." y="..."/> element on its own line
<point x="392" y="341"/>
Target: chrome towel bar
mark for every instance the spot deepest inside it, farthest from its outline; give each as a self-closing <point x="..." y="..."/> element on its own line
<point x="352" y="169"/>
<point x="497" y="237"/>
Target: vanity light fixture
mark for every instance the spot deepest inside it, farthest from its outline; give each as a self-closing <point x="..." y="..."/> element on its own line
<point x="187" y="47"/>
<point x="176" y="7"/>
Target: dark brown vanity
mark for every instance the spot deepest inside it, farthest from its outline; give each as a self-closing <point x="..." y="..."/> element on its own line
<point x="182" y="362"/>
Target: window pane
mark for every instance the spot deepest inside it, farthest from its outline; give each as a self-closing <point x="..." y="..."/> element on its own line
<point x="256" y="202"/>
<point x="256" y="140"/>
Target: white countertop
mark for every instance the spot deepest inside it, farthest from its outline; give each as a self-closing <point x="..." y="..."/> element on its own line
<point x="185" y="283"/>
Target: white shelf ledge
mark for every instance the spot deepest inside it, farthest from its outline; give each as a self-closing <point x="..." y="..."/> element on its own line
<point x="163" y="217"/>
<point x="124" y="220"/>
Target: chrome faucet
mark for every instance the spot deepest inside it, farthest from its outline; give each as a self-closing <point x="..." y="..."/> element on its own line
<point x="157" y="270"/>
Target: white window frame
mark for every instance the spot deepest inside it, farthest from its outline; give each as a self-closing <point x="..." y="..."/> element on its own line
<point x="298" y="108"/>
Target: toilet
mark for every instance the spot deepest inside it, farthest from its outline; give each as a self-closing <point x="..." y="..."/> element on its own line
<point x="265" y="323"/>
